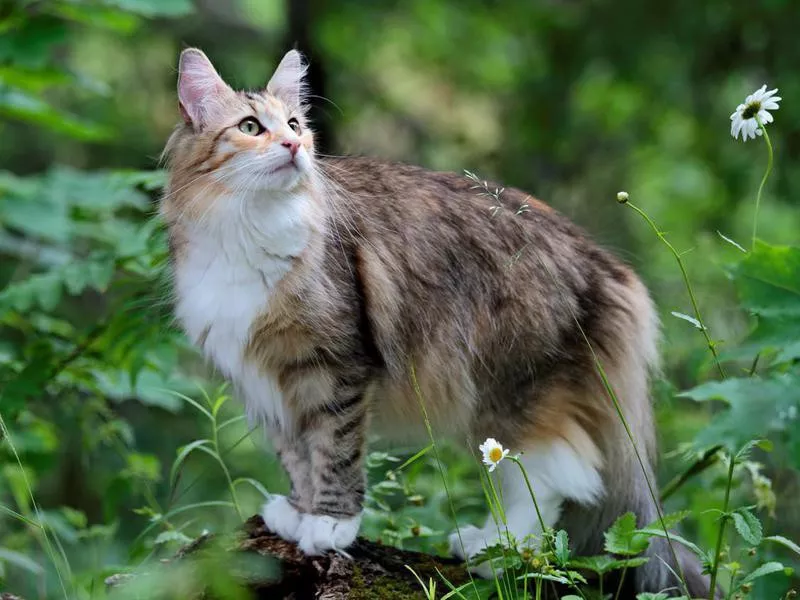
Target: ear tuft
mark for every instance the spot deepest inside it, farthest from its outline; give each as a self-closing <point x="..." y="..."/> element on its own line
<point x="287" y="83"/>
<point x="200" y="89"/>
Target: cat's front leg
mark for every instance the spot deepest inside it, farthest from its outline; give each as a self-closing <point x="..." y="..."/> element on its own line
<point x="337" y="439"/>
<point x="284" y="514"/>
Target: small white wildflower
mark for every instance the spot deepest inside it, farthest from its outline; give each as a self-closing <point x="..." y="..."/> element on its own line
<point x="756" y="104"/>
<point x="493" y="453"/>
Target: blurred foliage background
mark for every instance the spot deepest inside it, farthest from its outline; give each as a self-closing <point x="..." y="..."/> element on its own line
<point x="569" y="100"/>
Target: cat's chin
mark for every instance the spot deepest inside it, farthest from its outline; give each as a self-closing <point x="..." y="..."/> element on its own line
<point x="284" y="179"/>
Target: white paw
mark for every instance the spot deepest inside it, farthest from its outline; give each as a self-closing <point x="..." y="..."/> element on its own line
<point x="282" y="518"/>
<point x="320" y="533"/>
<point x="470" y="541"/>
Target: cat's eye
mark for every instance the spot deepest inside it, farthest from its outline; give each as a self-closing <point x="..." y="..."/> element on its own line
<point x="251" y="126"/>
<point x="294" y="125"/>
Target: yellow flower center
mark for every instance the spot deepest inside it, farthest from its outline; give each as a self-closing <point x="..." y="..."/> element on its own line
<point x="495" y="454"/>
<point x="751" y="110"/>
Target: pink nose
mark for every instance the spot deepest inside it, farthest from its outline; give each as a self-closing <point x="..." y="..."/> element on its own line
<point x="292" y="146"/>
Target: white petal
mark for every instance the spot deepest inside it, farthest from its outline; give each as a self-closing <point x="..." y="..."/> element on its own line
<point x="771" y="104"/>
<point x="492" y="467"/>
<point x="748" y="129"/>
<point x="765" y="116"/>
<point x="736" y="127"/>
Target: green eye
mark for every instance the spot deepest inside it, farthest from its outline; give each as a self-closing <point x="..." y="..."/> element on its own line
<point x="251" y="126"/>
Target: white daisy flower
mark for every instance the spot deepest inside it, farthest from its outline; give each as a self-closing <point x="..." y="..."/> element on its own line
<point x="756" y="104"/>
<point x="493" y="453"/>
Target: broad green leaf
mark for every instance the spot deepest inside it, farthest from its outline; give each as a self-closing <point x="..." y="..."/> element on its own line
<point x="768" y="281"/>
<point x="17" y="104"/>
<point x="45" y="289"/>
<point x="670" y="520"/>
<point x="30" y="42"/>
<point x="765" y="569"/>
<point x="756" y="407"/>
<point x="623" y="537"/>
<point x="97" y="16"/>
<point x="674" y="537"/>
<point x="603" y="563"/>
<point x="748" y="526"/>
<point x="786" y="543"/>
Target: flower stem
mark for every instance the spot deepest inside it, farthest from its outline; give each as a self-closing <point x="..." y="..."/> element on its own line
<point x="439" y="463"/>
<point x="721" y="534"/>
<point x="712" y="346"/>
<point x="763" y="180"/>
<point x="533" y="496"/>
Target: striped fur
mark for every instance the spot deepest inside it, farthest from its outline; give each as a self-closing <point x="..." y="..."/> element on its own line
<point x="317" y="287"/>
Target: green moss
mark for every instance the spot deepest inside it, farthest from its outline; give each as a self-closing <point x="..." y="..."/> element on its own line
<point x="394" y="588"/>
<point x="382" y="588"/>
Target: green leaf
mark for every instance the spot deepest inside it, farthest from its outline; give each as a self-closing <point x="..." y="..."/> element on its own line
<point x="603" y="563"/>
<point x="171" y="536"/>
<point x="748" y="526"/>
<point x="765" y="569"/>
<point x="561" y="547"/>
<point x="183" y="454"/>
<point x="691" y="320"/>
<point x="756" y="407"/>
<point x="732" y="243"/>
<point x="153" y="8"/>
<point x="659" y="532"/>
<point x="786" y="543"/>
<point x="45" y="289"/>
<point x="670" y="520"/>
<point x="768" y="280"/>
<point x="623" y="537"/>
<point x="20" y="561"/>
<point x="17" y="104"/>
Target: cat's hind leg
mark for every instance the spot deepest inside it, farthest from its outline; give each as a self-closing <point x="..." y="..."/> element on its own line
<point x="557" y="471"/>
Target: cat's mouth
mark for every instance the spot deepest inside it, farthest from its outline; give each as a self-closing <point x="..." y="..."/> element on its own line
<point x="290" y="164"/>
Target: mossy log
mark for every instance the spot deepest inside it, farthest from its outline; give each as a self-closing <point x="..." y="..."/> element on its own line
<point x="372" y="571"/>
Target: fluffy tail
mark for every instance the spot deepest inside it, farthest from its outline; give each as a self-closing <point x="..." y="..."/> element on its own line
<point x="628" y="344"/>
<point x="674" y="570"/>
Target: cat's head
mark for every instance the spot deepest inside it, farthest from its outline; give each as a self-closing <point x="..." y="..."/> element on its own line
<point x="236" y="143"/>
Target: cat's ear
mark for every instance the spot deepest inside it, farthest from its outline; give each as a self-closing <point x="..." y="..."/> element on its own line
<point x="287" y="81"/>
<point x="201" y="91"/>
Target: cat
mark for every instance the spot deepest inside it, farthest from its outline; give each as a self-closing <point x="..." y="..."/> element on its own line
<point x="337" y="293"/>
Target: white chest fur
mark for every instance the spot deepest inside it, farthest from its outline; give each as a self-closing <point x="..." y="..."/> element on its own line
<point x="224" y="280"/>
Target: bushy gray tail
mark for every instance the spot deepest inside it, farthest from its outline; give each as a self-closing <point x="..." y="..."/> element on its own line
<point x="661" y="573"/>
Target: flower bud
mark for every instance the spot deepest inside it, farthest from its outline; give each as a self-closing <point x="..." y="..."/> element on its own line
<point x="622" y="197"/>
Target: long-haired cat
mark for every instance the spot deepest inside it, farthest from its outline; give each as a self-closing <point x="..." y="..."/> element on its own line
<point x="318" y="285"/>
